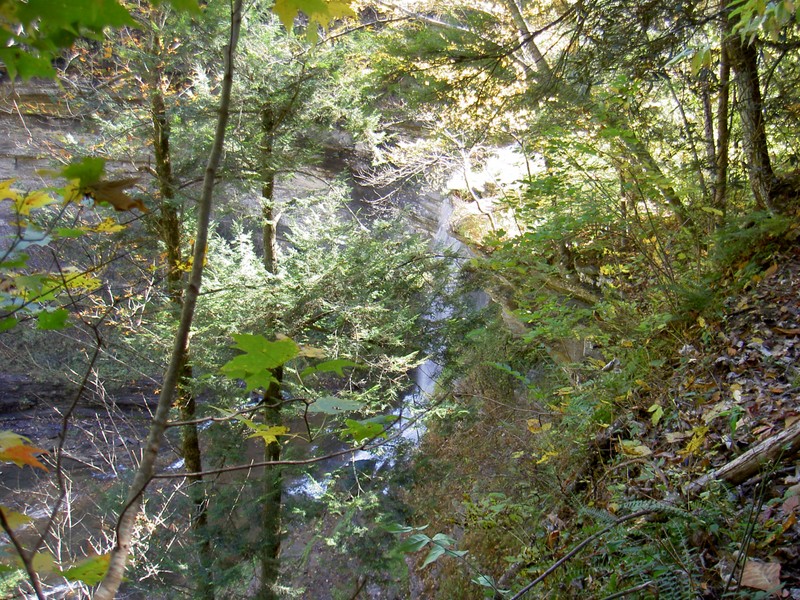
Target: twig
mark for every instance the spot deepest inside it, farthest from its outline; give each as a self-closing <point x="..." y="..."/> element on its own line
<point x="25" y="557"/>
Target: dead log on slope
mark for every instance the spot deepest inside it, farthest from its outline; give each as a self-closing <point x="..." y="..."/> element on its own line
<point x="780" y="446"/>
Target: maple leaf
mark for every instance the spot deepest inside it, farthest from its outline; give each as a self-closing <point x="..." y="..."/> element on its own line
<point x="269" y="434"/>
<point x="694" y="445"/>
<point x="23" y="454"/>
<point x="38" y="199"/>
<point x="113" y="192"/>
<point x="321" y="12"/>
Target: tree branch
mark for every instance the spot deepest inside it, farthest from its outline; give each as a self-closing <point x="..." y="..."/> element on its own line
<point x="125" y="526"/>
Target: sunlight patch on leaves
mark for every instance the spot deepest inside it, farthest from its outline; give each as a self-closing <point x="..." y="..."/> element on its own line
<point x="89" y="570"/>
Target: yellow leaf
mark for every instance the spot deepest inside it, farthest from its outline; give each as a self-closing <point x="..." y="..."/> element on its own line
<point x="770" y="271"/>
<point x="698" y="437"/>
<point x="634" y="448"/>
<point x="536" y="426"/>
<point x="321" y="12"/>
<point x="37" y="199"/>
<point x="268" y="434"/>
<point x="77" y="280"/>
<point x="108" y="225"/>
<point x="9" y="438"/>
<point x="546" y="457"/>
<point x="7" y="192"/>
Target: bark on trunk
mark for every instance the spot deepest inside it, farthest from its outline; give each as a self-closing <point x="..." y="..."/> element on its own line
<point x="273" y="481"/>
<point x="271" y="510"/>
<point x="723" y="136"/>
<point x="127" y="518"/>
<point x="269" y="214"/>
<point x="744" y="61"/>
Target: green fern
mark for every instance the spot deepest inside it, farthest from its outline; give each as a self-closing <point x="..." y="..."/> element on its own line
<point x="674" y="585"/>
<point x="656" y="506"/>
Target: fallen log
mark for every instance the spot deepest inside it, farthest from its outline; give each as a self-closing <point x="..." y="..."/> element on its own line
<point x="780" y="446"/>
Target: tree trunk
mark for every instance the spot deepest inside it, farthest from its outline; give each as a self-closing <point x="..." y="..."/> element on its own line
<point x="723" y="136"/>
<point x="169" y="228"/>
<point x="269" y="213"/>
<point x="744" y="61"/>
<point x="130" y="511"/>
<point x="271" y="508"/>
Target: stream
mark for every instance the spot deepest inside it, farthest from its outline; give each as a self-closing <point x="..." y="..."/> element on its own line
<point x="408" y="425"/>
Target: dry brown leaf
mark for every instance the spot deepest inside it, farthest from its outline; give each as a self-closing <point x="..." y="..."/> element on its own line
<point x="790" y="504"/>
<point x="113" y="192"/>
<point x="677" y="436"/>
<point x="761" y="575"/>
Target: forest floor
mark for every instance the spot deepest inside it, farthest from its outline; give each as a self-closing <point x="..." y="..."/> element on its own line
<point x="518" y="504"/>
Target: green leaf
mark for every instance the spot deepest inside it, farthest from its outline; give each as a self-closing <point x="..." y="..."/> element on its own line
<point x="329" y="366"/>
<point x="274" y="353"/>
<point x="69" y="232"/>
<point x="414" y="543"/>
<point x="435" y="553"/>
<point x="657" y="412"/>
<point x="714" y="211"/>
<point x="441" y="538"/>
<point x="14" y="518"/>
<point x="15" y="261"/>
<point x="262" y="379"/>
<point x="189" y="6"/>
<point x="260" y="358"/>
<point x="50" y="320"/>
<point x="88" y="171"/>
<point x="8" y="323"/>
<point x="398" y="528"/>
<point x="485" y="581"/>
<point x="26" y="65"/>
<point x="364" y="430"/>
<point x="331" y="405"/>
<point x="89" y="570"/>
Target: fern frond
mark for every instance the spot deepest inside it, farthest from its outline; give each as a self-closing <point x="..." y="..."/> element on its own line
<point x="656" y="506"/>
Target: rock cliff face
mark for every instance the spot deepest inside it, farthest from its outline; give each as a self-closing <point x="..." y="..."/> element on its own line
<point x="43" y="129"/>
<point x="37" y="127"/>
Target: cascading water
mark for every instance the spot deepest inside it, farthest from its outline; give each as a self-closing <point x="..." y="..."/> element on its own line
<point x="408" y="423"/>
